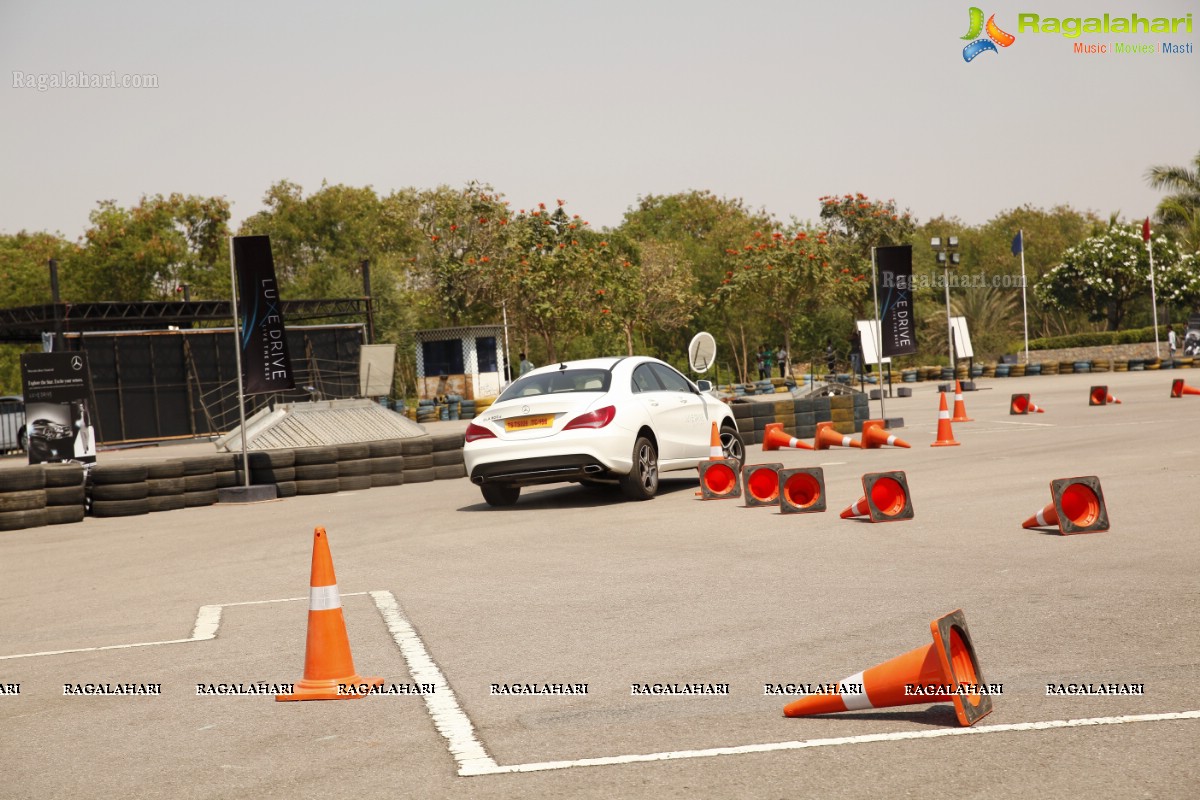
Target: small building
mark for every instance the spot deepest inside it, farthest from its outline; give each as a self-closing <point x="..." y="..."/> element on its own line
<point x="465" y="361"/>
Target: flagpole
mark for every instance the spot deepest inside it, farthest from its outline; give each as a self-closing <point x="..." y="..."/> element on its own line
<point x="1153" y="293"/>
<point x="878" y="337"/>
<point x="237" y="356"/>
<point x="1024" y="298"/>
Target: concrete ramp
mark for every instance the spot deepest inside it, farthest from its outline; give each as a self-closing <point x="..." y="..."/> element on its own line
<point x="324" y="422"/>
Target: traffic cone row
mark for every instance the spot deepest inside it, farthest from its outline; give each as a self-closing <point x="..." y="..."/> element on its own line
<point x="960" y="408"/>
<point x="945" y="431"/>
<point x="1179" y="388"/>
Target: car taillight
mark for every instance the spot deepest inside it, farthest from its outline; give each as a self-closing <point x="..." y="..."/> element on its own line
<point x="593" y="419"/>
<point x="478" y="432"/>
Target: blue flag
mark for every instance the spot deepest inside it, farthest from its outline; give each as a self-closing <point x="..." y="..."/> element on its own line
<point x="1018" y="245"/>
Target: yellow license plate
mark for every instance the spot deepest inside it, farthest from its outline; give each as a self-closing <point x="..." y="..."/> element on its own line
<point x="528" y="423"/>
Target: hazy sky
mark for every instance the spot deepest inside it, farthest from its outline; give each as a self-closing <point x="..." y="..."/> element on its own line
<point x="596" y="102"/>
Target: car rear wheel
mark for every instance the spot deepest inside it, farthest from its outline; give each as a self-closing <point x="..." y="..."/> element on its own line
<point x="732" y="445"/>
<point x="498" y="495"/>
<point x="642" y="481"/>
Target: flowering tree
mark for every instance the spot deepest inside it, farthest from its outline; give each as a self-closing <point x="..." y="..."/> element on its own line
<point x="856" y="223"/>
<point x="1103" y="274"/>
<point x="648" y="284"/>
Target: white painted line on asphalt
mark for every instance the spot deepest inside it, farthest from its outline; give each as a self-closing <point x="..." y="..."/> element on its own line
<point x="208" y="620"/>
<point x="448" y="717"/>
<point x="844" y="740"/>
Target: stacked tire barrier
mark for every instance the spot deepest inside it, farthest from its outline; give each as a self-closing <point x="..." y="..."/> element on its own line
<point x="274" y="467"/>
<point x="200" y="480"/>
<point x="22" y="498"/>
<point x="799" y="417"/>
<point x="418" y="459"/>
<point x="118" y="490"/>
<point x="354" y="467"/>
<point x="66" y="497"/>
<point x="316" y="469"/>
<point x="164" y="482"/>
<point x="427" y="411"/>
<point x="387" y="462"/>
<point x="448" y="456"/>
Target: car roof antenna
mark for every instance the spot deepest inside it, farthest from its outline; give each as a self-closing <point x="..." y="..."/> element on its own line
<point x="562" y="366"/>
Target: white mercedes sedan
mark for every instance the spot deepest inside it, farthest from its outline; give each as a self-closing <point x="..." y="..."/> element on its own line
<point x="596" y="421"/>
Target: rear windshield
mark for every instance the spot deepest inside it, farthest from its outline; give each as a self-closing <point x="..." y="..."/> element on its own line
<point x="566" y="380"/>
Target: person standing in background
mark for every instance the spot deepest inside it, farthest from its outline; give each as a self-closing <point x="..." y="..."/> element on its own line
<point x="781" y="358"/>
<point x="1171" y="341"/>
<point x="526" y="366"/>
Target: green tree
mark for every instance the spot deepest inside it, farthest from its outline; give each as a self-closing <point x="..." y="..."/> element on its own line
<point x="648" y="284"/>
<point x="1180" y="210"/>
<point x="855" y="224"/>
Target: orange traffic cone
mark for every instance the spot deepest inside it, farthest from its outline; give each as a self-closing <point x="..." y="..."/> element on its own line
<point x="1179" y="388"/>
<point x="885" y="498"/>
<point x="1021" y="404"/>
<point x="761" y="484"/>
<point x="875" y="435"/>
<point x="328" y="668"/>
<point x="944" y="670"/>
<point x="715" y="451"/>
<point x="1077" y="507"/>
<point x="827" y="437"/>
<point x="1099" y="396"/>
<point x="960" y="408"/>
<point x="719" y="479"/>
<point x="775" y="438"/>
<point x="801" y="490"/>
<point x="945" y="429"/>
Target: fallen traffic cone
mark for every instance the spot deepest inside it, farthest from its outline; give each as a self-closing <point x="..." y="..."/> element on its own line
<point x="1179" y="388"/>
<point x="801" y="490"/>
<point x="944" y="670"/>
<point x="1021" y="404"/>
<point x="960" y="408"/>
<point x="1099" y="396"/>
<point x="874" y="435"/>
<point x="719" y="479"/>
<point x="328" y="668"/>
<point x="1077" y="507"/>
<point x="761" y="484"/>
<point x="827" y="437"/>
<point x="715" y="451"/>
<point x="945" y="432"/>
<point x="885" y="498"/>
<point x="775" y="438"/>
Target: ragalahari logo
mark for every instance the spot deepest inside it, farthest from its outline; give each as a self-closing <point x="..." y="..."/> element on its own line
<point x="995" y="36"/>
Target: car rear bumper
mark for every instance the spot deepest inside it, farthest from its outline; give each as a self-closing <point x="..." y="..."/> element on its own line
<point x="546" y="469"/>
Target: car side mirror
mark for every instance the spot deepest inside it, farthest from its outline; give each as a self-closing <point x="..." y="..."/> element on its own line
<point x="704" y="386"/>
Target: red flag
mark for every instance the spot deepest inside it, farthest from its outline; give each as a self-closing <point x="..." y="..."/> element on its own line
<point x="1146" y="230"/>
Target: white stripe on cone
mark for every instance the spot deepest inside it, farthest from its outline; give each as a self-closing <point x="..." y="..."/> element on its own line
<point x="323" y="598"/>
<point x="1041" y="519"/>
<point x="857" y="699"/>
<point x="891" y="440"/>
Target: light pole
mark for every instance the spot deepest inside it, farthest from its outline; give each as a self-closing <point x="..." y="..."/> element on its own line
<point x="946" y="251"/>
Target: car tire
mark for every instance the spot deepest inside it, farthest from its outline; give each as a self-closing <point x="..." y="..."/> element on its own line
<point x="732" y="445"/>
<point x="642" y="481"/>
<point x="495" y="494"/>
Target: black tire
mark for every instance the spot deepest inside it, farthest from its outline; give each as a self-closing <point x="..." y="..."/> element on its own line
<point x="271" y="459"/>
<point x="59" y="515"/>
<point x="223" y="462"/>
<point x="642" y="481"/>
<point x="27" y="500"/>
<point x="386" y="464"/>
<point x="497" y="495"/>
<point x="319" y="486"/>
<point x="317" y="472"/>
<point x="285" y="489"/>
<point x="324" y="454"/>
<point x="107" y="492"/>
<point x="353" y="451"/>
<point x="166" y="502"/>
<point x="387" y="479"/>
<point x="272" y="474"/>
<point x="419" y="475"/>
<point x="733" y="445"/>
<point x="384" y="447"/>
<point x="204" y="482"/>
<point x="64" y="475"/>
<point x="354" y="469"/>
<point x="227" y="477"/>
<point x="449" y="472"/>
<point x="418" y="462"/>
<point x="354" y="483"/>
<point x="18" y="520"/>
<point x="417" y="446"/>
<point x="158" y="470"/>
<point x="65" y="495"/>
<point x="117" y="473"/>
<point x="443" y="442"/>
<point x="205" y="497"/>
<point x="22" y="479"/>
<point x="447" y="458"/>
<point x="199" y="465"/>
<point x="165" y="487"/>
<point x="120" y="508"/>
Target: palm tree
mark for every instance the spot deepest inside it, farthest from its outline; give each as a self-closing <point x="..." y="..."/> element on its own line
<point x="1181" y="209"/>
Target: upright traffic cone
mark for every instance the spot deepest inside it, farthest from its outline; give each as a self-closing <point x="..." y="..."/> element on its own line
<point x="827" y="437"/>
<point x="945" y="432"/>
<point x="719" y="479"/>
<point x="1099" y="396"/>
<point x="960" y="408"/>
<point x="774" y="438"/>
<point x="1179" y="388"/>
<point x="945" y="670"/>
<point x="801" y="490"/>
<point x="328" y="668"/>
<point x="1077" y="507"/>
<point x="1021" y="404"/>
<point x="885" y="498"/>
<point x="715" y="451"/>
<point x="761" y="484"/>
<point x="874" y="435"/>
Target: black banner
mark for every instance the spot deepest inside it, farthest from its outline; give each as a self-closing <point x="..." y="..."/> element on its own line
<point x="896" y="320"/>
<point x="58" y="419"/>
<point x="265" y="363"/>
